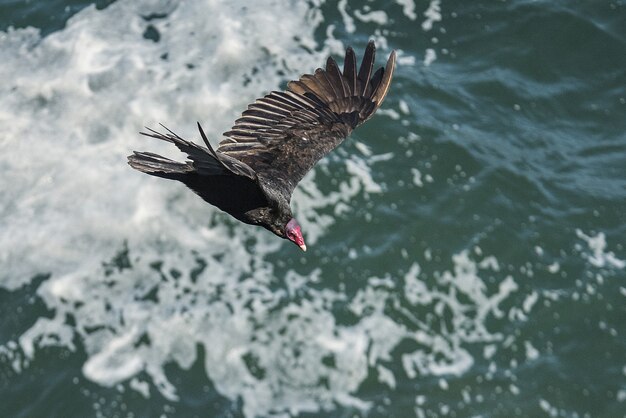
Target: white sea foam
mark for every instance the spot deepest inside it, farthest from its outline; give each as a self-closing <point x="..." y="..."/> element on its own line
<point x="446" y="354"/>
<point x="429" y="57"/>
<point x="408" y="8"/>
<point x="600" y="257"/>
<point x="404" y="107"/>
<point x="530" y="301"/>
<point x="417" y="177"/>
<point x="531" y="352"/>
<point x="432" y="14"/>
<point x="74" y="102"/>
<point x="554" y="267"/>
<point x="376" y="16"/>
<point x="140" y="386"/>
<point x="348" y="21"/>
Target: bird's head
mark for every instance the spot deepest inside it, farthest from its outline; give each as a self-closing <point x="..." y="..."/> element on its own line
<point x="294" y="234"/>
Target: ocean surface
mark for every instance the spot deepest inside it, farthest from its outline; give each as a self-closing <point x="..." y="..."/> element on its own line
<point x="467" y="246"/>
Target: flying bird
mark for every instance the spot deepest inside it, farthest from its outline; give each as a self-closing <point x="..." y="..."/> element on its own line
<point x="278" y="139"/>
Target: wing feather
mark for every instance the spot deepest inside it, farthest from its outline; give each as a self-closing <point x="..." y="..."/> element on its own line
<point x="349" y="71"/>
<point x="328" y="83"/>
<point x="365" y="71"/>
<point x="337" y="80"/>
<point x="315" y="84"/>
<point x="383" y="88"/>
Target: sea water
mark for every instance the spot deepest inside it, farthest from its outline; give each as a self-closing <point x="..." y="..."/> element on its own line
<point x="466" y="246"/>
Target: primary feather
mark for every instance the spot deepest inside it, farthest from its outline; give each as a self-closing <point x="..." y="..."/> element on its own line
<point x="276" y="141"/>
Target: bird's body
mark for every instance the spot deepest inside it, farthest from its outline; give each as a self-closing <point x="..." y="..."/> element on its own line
<point x="278" y="139"/>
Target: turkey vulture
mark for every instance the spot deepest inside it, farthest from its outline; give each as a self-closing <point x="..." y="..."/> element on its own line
<point x="278" y="139"/>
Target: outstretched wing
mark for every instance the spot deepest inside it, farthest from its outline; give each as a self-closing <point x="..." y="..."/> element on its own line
<point x="282" y="135"/>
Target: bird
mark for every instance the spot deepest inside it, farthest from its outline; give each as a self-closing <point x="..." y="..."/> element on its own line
<point x="276" y="141"/>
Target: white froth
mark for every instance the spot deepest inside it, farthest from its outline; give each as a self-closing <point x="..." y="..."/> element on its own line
<point x="392" y="113"/>
<point x="46" y="332"/>
<point x="531" y="352"/>
<point x="140" y="386"/>
<point x="432" y="14"/>
<point x="447" y="355"/>
<point x="490" y="263"/>
<point x="116" y="361"/>
<point x="376" y="16"/>
<point x="548" y="409"/>
<point x="417" y="177"/>
<point x="386" y="376"/>
<point x="429" y="57"/>
<point x="530" y="301"/>
<point x="408" y="8"/>
<point x="600" y="257"/>
<point x="360" y="170"/>
<point x="348" y="21"/>
<point x="404" y="107"/>
<point x="554" y="267"/>
<point x="404" y="59"/>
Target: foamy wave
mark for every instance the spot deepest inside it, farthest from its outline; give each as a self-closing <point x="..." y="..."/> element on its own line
<point x="269" y="346"/>
<point x="77" y="99"/>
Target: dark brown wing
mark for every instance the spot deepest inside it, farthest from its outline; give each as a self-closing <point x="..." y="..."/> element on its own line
<point x="282" y="135"/>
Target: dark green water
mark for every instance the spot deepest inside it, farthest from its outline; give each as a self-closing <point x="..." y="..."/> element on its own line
<point x="467" y="251"/>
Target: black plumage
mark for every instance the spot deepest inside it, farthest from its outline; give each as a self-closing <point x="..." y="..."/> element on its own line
<point x="275" y="142"/>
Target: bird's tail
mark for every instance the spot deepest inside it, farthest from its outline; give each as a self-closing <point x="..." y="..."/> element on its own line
<point x="201" y="160"/>
<point x="159" y="166"/>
